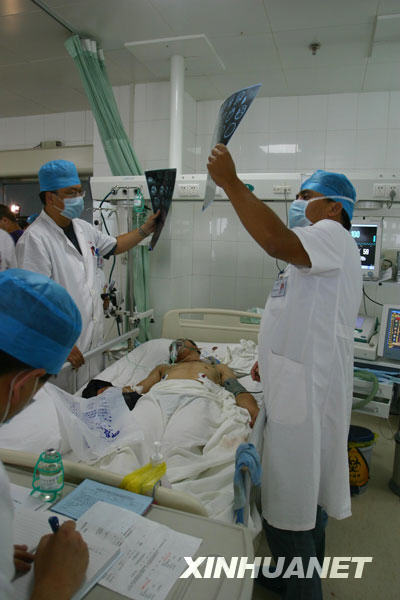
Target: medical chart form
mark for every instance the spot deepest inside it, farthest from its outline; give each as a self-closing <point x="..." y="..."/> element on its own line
<point x="152" y="554"/>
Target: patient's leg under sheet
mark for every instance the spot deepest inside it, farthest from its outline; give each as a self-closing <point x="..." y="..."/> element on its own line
<point x="177" y="416"/>
<point x="186" y="415"/>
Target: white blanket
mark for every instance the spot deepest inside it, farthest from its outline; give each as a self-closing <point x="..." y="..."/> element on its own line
<point x="200" y="427"/>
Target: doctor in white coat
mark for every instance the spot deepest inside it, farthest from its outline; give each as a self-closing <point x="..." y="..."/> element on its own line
<point x="66" y="248"/>
<point x="8" y="259"/>
<point x="305" y="362"/>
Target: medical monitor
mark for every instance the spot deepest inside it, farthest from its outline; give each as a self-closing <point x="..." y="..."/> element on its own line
<point x="389" y="338"/>
<point x="367" y="233"/>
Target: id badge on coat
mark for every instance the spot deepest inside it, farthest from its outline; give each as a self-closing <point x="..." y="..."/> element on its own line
<point x="279" y="288"/>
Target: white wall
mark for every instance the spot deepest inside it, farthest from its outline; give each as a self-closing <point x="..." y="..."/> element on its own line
<point x="72" y="128"/>
<point x="208" y="260"/>
<point x="151" y="127"/>
<point x="303" y="133"/>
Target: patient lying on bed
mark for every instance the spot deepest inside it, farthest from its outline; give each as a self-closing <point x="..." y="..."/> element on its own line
<point x="185" y="363"/>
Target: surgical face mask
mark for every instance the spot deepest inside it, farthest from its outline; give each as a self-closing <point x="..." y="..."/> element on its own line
<point x="73" y="207"/>
<point x="297" y="209"/>
<point x="10" y="395"/>
<point x="297" y="214"/>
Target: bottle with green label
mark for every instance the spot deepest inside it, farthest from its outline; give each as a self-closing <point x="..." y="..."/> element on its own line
<point x="48" y="475"/>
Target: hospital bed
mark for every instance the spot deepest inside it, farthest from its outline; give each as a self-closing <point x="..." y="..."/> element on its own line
<point x="219" y="333"/>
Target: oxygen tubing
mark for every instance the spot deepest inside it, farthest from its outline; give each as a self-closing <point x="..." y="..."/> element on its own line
<point x="366" y="376"/>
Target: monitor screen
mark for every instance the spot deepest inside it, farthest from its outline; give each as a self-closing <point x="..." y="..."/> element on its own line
<point x="367" y="235"/>
<point x="391" y="346"/>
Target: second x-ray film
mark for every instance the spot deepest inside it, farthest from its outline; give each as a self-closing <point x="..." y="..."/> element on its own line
<point x="161" y="183"/>
<point x="230" y="115"/>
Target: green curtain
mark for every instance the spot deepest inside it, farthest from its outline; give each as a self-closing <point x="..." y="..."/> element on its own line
<point x="89" y="59"/>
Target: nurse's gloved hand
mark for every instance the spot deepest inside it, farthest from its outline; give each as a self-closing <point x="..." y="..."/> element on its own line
<point x="76" y="358"/>
<point x="221" y="166"/>
<point x="255" y="374"/>
<point x="150" y="223"/>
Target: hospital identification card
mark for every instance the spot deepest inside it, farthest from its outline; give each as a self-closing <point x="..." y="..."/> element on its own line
<point x="279" y="288"/>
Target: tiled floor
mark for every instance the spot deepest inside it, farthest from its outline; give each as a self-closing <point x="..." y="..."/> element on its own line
<point x="373" y="530"/>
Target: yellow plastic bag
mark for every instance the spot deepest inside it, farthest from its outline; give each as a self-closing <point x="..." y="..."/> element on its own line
<point x="143" y="480"/>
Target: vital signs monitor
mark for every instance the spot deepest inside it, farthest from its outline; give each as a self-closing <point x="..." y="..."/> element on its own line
<point x="389" y="338"/>
<point x="367" y="233"/>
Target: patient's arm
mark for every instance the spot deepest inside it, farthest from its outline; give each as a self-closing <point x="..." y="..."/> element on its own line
<point x="154" y="377"/>
<point x="245" y="399"/>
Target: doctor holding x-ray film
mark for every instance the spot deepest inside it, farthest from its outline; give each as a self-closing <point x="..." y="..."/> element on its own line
<point x="66" y="248"/>
<point x="305" y="361"/>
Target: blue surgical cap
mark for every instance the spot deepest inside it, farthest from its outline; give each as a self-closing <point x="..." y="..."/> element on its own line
<point x="39" y="321"/>
<point x="58" y="174"/>
<point x="333" y="184"/>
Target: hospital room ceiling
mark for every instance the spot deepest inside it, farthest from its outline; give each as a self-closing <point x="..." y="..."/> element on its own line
<point x="263" y="41"/>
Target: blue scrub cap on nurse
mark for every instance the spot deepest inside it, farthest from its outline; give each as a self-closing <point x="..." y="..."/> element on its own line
<point x="39" y="321"/>
<point x="58" y="174"/>
<point x="331" y="185"/>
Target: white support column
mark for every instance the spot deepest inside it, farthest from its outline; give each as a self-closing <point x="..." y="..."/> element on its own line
<point x="176" y="113"/>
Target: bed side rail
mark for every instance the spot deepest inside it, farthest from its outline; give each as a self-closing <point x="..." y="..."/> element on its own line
<point x="72" y="379"/>
<point x="77" y="472"/>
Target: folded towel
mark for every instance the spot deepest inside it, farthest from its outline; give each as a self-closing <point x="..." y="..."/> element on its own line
<point x="246" y="456"/>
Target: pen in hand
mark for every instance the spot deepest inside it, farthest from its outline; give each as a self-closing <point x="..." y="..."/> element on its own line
<point x="54" y="524"/>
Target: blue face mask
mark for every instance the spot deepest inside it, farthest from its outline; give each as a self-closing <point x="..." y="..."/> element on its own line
<point x="73" y="207"/>
<point x="297" y="214"/>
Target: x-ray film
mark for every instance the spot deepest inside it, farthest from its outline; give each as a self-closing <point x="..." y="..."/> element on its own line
<point x="230" y="115"/>
<point x="161" y="185"/>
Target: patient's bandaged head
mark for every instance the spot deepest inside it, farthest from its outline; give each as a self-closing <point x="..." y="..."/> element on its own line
<point x="177" y="346"/>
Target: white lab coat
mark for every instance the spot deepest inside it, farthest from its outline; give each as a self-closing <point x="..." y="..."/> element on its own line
<point x="6" y="537"/>
<point x="45" y="248"/>
<point x="306" y="367"/>
<point x="8" y="260"/>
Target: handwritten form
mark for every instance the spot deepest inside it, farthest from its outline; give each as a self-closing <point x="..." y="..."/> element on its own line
<point x="30" y="526"/>
<point x="151" y="554"/>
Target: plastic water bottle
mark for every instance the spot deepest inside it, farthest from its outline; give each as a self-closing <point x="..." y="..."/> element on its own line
<point x="157" y="459"/>
<point x="48" y="475"/>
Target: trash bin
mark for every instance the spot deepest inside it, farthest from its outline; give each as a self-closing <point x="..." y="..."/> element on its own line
<point x="360" y="444"/>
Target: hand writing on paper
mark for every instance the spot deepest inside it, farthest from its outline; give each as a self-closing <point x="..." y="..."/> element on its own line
<point x="61" y="561"/>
